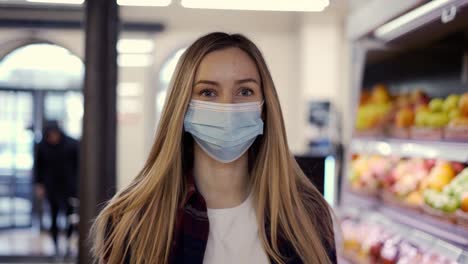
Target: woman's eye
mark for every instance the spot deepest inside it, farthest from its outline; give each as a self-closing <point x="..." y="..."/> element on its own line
<point x="207" y="93"/>
<point x="246" y="92"/>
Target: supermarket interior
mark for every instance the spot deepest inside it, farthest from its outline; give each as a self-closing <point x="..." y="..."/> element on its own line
<point x="374" y="96"/>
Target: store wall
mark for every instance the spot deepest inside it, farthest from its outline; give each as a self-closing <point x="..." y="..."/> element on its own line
<point x="323" y="64"/>
<point x="304" y="53"/>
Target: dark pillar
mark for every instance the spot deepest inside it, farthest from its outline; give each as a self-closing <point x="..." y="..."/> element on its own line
<point x="98" y="147"/>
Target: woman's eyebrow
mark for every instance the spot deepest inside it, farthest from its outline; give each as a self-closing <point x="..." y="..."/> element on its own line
<point x="207" y="82"/>
<point x="246" y="80"/>
<point x="237" y="82"/>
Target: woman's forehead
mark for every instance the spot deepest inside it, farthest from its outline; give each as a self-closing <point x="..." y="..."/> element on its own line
<point x="230" y="63"/>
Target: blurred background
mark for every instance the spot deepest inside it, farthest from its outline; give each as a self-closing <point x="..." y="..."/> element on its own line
<point x="374" y="94"/>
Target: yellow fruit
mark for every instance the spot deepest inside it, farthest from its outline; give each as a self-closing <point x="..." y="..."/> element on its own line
<point x="440" y="176"/>
<point x="415" y="198"/>
<point x="454" y="113"/>
<point x="464" y="202"/>
<point x="459" y="122"/>
<point x="463" y="105"/>
<point x="451" y="102"/>
<point x="404" y="118"/>
<point x="380" y="94"/>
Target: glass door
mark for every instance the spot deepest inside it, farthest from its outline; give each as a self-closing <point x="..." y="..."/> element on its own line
<point x="16" y="157"/>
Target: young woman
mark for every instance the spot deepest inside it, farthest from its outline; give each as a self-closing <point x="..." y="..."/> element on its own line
<point x="220" y="185"/>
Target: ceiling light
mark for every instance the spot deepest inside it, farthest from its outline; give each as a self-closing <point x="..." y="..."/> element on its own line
<point x="144" y="2"/>
<point x="260" y="5"/>
<point x="66" y="2"/>
<point x="386" y="31"/>
<point x="135" y="45"/>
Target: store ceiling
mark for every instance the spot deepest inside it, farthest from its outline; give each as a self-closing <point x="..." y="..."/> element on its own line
<point x="173" y="14"/>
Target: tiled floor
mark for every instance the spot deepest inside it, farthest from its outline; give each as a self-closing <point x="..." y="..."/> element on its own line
<point x="32" y="246"/>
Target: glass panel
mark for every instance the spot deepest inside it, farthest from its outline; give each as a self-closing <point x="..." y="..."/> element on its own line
<point x="24" y="135"/>
<point x="74" y="114"/>
<point x="7" y="101"/>
<point x="67" y="109"/>
<point x="16" y="157"/>
<point x="54" y="107"/>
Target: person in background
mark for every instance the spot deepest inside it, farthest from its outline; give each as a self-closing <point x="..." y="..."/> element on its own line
<point x="56" y="175"/>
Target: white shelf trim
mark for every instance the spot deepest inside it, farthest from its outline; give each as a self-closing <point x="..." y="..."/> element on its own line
<point x="453" y="151"/>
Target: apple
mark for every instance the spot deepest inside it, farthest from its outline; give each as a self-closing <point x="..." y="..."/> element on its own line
<point x="418" y="96"/>
<point x="436" y="105"/>
<point x="464" y="202"/>
<point x="429" y="163"/>
<point x="366" y="118"/>
<point x="421" y="107"/>
<point x="414" y="198"/>
<point x="365" y="97"/>
<point x="457" y="167"/>
<point x="463" y="104"/>
<point x="404" y="118"/>
<point x="380" y="94"/>
<point x="403" y="101"/>
<point x="421" y="118"/>
<point x="438" y="119"/>
<point x="440" y="175"/>
<point x="451" y="103"/>
<point x="460" y="121"/>
<point x="454" y="113"/>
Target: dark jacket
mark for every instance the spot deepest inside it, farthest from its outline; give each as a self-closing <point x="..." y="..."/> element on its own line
<point x="56" y="167"/>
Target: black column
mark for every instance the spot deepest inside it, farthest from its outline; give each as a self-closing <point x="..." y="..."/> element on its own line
<point x="98" y="146"/>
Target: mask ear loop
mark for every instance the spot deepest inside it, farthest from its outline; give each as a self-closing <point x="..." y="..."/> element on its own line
<point x="262" y="113"/>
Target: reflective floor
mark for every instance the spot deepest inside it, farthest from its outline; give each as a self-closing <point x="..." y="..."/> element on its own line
<point x="32" y="246"/>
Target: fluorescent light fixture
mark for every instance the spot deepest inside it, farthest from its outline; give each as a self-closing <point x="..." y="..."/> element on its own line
<point x="134" y="60"/>
<point x="384" y="31"/>
<point x="144" y="2"/>
<point x="329" y="181"/>
<point x="259" y="5"/>
<point x="65" y="2"/>
<point x="135" y="46"/>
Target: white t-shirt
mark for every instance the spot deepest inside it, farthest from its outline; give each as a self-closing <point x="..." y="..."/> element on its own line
<point x="233" y="236"/>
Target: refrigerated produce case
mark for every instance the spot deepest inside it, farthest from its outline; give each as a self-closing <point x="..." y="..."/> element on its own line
<point x="405" y="189"/>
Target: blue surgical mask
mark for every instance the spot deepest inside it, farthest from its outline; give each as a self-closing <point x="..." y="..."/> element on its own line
<point x="224" y="131"/>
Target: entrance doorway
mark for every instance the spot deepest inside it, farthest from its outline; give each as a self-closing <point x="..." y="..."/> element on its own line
<point x="38" y="82"/>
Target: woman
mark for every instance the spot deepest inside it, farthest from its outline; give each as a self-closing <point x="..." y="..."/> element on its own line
<point x="220" y="185"/>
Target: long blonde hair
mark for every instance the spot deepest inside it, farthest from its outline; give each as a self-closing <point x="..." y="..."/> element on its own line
<point x="140" y="219"/>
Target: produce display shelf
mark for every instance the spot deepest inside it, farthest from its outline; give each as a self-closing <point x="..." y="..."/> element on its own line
<point x="448" y="232"/>
<point x="453" y="151"/>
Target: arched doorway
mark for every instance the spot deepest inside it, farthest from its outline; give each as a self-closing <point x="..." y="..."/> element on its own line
<point x="38" y="82"/>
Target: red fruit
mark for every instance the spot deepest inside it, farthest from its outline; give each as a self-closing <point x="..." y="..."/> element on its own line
<point x="430" y="163"/>
<point x="457" y="167"/>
